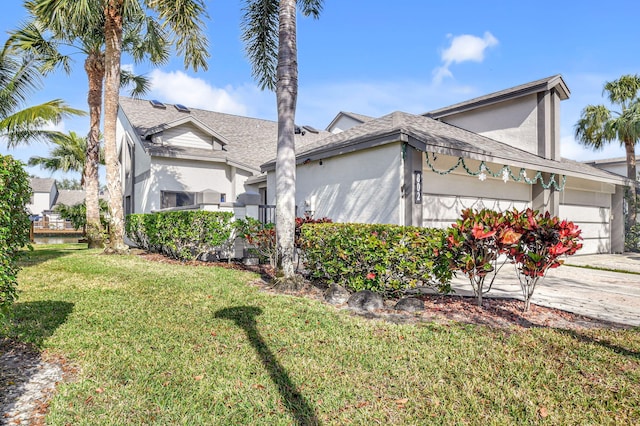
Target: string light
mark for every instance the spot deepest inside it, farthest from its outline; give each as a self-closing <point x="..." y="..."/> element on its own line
<point x="504" y="173"/>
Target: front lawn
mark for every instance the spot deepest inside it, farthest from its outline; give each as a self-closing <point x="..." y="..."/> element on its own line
<point x="159" y="343"/>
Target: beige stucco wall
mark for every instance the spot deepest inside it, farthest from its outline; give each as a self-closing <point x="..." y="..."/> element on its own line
<point x="362" y="187"/>
<point x="513" y="122"/>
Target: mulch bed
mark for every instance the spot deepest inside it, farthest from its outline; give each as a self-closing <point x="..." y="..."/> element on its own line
<point x="442" y="309"/>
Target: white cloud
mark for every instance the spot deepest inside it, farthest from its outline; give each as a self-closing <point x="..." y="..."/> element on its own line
<point x="178" y="87"/>
<point x="463" y="48"/>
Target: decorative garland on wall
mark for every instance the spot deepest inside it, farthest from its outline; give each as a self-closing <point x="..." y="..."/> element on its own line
<point x="504" y="173"/>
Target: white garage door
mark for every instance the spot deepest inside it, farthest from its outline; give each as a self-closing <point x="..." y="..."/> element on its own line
<point x="595" y="223"/>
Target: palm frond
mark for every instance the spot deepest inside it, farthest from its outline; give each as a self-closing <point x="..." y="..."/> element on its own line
<point x="139" y="84"/>
<point x="27" y="124"/>
<point x="311" y="8"/>
<point x="260" y="35"/>
<point x="591" y="129"/>
<point x="184" y="21"/>
<point x="623" y="91"/>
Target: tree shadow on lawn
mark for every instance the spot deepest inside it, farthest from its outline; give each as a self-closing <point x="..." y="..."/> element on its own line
<point x="41" y="255"/>
<point x="296" y="403"/>
<point x="601" y="342"/>
<point x="22" y="368"/>
<point x="34" y="322"/>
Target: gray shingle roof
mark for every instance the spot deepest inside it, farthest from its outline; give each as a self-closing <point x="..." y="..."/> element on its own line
<point x="502" y="95"/>
<point x="251" y="141"/>
<point x="430" y="135"/>
<point x="41" y="184"/>
<point x="70" y="197"/>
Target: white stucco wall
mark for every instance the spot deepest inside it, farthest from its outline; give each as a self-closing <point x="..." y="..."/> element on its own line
<point x="343" y="123"/>
<point x="513" y="122"/>
<point x="170" y="174"/>
<point x="41" y="202"/>
<point x="362" y="187"/>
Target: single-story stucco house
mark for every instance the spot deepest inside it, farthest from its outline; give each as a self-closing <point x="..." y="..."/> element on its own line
<point x="498" y="151"/>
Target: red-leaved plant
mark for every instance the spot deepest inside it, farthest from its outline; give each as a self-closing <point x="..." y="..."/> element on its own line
<point x="544" y="240"/>
<point x="476" y="241"/>
<point x="533" y="242"/>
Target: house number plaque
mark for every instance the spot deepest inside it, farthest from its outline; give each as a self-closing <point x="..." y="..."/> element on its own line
<point x="417" y="185"/>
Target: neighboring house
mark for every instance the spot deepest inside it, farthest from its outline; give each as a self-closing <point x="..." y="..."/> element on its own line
<point x="423" y="170"/>
<point x="173" y="156"/>
<point x="614" y="165"/>
<point x="43" y="197"/>
<point x="46" y="196"/>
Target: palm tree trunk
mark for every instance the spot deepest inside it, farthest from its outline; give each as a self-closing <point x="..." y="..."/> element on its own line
<point x="94" y="67"/>
<point x="286" y="95"/>
<point x="629" y="146"/>
<point x="113" y="51"/>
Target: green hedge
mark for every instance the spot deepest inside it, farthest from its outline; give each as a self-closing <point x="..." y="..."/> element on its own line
<point x="381" y="258"/>
<point x="14" y="227"/>
<point x="183" y="235"/>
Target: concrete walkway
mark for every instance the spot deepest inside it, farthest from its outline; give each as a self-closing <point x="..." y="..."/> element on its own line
<point x="610" y="296"/>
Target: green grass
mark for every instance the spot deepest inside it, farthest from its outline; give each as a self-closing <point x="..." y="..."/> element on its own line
<point x="601" y="268"/>
<point x="171" y="344"/>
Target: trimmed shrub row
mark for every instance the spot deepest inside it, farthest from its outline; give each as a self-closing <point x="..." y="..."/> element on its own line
<point x="381" y="258"/>
<point x="183" y="235"/>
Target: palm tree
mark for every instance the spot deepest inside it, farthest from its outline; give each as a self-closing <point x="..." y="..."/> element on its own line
<point x="68" y="154"/>
<point x="183" y="25"/>
<point x="19" y="78"/>
<point x="142" y="39"/>
<point x="183" y="19"/>
<point x="269" y="31"/>
<point x="598" y="125"/>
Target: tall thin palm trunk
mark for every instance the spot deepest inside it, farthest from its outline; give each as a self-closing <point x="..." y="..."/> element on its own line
<point x="286" y="95"/>
<point x="629" y="146"/>
<point x="113" y="52"/>
<point x="94" y="67"/>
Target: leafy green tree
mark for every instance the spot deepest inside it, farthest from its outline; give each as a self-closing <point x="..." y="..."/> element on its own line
<point x="14" y="227"/>
<point x="269" y="31"/>
<point x="66" y="183"/>
<point x="19" y="78"/>
<point x="48" y="33"/>
<point x="77" y="214"/>
<point x="598" y="125"/>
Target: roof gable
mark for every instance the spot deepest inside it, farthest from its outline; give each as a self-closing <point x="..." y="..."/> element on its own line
<point x="359" y="118"/>
<point x="544" y="84"/>
<point x="182" y="122"/>
<point x="42" y="184"/>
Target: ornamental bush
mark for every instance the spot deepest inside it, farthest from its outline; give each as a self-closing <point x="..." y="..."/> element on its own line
<point x="533" y="242"/>
<point x="182" y="235"/>
<point x="262" y="237"/>
<point x="15" y="193"/>
<point x="543" y="240"/>
<point x="382" y="258"/>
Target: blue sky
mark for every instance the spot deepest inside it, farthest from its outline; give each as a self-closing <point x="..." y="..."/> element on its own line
<point x="374" y="57"/>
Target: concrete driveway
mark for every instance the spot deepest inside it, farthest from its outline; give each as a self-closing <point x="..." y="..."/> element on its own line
<point x="611" y="296"/>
